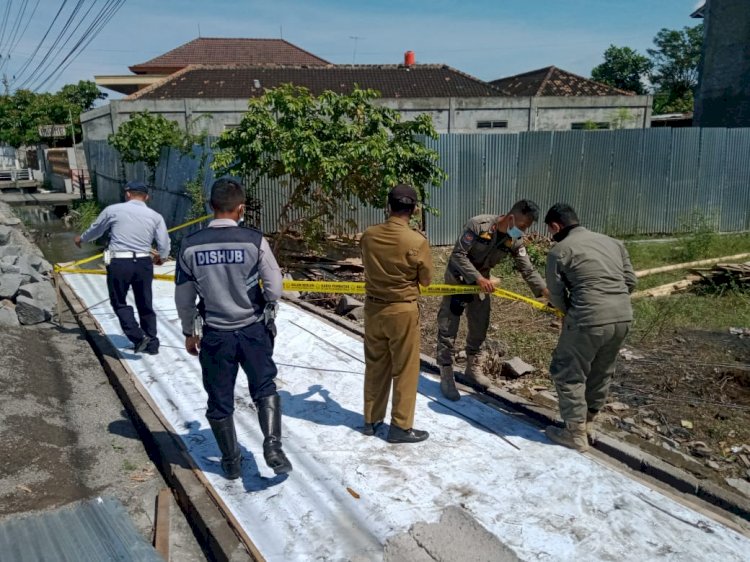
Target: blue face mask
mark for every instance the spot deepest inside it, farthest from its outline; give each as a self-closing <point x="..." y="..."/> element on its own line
<point x="514" y="232"/>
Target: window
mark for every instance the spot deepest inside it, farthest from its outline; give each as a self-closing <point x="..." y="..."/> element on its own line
<point x="589" y="126"/>
<point x="492" y="124"/>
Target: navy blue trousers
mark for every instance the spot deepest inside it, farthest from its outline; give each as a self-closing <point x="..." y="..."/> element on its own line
<point x="138" y="273"/>
<point x="221" y="355"/>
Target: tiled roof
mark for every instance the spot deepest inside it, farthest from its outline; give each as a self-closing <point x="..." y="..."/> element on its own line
<point x="218" y="50"/>
<point x="552" y="81"/>
<point x="392" y="81"/>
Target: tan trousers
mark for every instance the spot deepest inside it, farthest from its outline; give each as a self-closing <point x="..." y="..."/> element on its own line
<point x="391" y="358"/>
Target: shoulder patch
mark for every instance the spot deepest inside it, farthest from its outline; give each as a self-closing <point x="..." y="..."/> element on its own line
<point x="468" y="237"/>
<point x="522" y="251"/>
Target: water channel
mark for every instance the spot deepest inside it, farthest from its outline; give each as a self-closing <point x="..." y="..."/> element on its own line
<point x="51" y="234"/>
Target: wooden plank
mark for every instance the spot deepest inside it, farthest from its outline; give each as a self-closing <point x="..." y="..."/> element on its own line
<point x="675" y="267"/>
<point x="162" y="527"/>
<point x="668" y="289"/>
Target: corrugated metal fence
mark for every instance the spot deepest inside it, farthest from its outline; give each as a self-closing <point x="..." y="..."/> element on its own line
<point x="624" y="182"/>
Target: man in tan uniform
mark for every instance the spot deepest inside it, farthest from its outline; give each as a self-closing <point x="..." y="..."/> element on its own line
<point x="590" y="278"/>
<point x="397" y="260"/>
<point x="486" y="240"/>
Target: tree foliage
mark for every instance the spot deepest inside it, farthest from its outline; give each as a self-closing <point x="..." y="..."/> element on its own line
<point x="144" y="135"/>
<point x="333" y="149"/>
<point x="672" y="69"/>
<point x="676" y="61"/>
<point x="623" y="68"/>
<point x="23" y="111"/>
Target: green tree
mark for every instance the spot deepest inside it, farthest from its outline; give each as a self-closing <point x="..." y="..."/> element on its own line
<point x="82" y="95"/>
<point x="676" y="58"/>
<point x="623" y="68"/>
<point x="333" y="149"/>
<point x="144" y="135"/>
<point x="23" y="111"/>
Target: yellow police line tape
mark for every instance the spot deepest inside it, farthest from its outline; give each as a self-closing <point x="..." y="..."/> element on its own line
<point x="358" y="288"/>
<point x="67" y="268"/>
<point x="343" y="287"/>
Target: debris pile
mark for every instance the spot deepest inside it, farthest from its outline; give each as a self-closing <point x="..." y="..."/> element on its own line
<point x="724" y="276"/>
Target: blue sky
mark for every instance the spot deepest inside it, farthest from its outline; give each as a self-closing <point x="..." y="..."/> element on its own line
<point x="486" y="38"/>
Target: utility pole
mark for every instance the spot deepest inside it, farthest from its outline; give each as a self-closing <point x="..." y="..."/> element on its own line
<point x="356" y="38"/>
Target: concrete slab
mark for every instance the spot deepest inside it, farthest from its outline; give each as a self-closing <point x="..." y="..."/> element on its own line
<point x="350" y="494"/>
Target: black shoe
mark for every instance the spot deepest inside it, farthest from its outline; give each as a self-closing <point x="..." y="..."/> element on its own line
<point x="371" y="429"/>
<point x="398" y="435"/>
<point x="269" y="416"/>
<point x="231" y="457"/>
<point x="152" y="350"/>
<point x="142" y="345"/>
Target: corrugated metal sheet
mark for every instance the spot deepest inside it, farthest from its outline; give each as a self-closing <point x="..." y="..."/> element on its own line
<point x="684" y="176"/>
<point x="653" y="209"/>
<point x="501" y="172"/>
<point x="462" y="195"/>
<point x="735" y="208"/>
<point x="97" y="530"/>
<point x="636" y="181"/>
<point x="592" y="199"/>
<point x="565" y="169"/>
<point x="711" y="173"/>
<point x="625" y="185"/>
<point x="534" y="162"/>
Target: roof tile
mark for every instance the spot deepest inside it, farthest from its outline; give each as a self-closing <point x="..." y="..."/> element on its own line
<point x="392" y="81"/>
<point x="552" y="81"/>
<point x="219" y="50"/>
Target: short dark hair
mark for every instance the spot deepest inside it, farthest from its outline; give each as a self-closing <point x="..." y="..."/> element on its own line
<point x="527" y="208"/>
<point x="401" y="208"/>
<point x="226" y="194"/>
<point x="561" y="213"/>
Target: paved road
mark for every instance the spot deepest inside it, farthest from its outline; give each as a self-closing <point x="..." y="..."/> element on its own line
<point x="65" y="437"/>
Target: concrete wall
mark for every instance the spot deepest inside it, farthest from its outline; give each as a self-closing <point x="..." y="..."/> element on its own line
<point x="723" y="98"/>
<point x="450" y="115"/>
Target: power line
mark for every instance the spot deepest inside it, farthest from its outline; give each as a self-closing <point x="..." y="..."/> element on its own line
<point x="39" y="46"/>
<point x="102" y="19"/>
<point x="6" y="17"/>
<point x="13" y="45"/>
<point x="65" y="36"/>
<point x="60" y="35"/>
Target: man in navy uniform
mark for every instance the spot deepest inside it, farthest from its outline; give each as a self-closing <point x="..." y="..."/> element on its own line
<point x="233" y="273"/>
<point x="132" y="228"/>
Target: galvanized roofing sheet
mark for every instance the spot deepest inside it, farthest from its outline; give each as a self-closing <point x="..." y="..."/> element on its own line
<point x="349" y="493"/>
<point x="97" y="530"/>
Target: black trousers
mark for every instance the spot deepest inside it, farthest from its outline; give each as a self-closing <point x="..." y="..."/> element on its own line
<point x="138" y="273"/>
<point x="221" y="355"/>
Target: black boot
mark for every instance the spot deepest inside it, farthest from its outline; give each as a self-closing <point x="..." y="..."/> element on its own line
<point x="231" y="458"/>
<point x="269" y="415"/>
<point x="398" y="435"/>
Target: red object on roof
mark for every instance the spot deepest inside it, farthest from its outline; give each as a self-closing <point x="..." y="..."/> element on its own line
<point x="220" y="50"/>
<point x="552" y="81"/>
<point x="409" y="58"/>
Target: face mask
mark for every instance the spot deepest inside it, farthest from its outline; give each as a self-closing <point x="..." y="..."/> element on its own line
<point x="515" y="232"/>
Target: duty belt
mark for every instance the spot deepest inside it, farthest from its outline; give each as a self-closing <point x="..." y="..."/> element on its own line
<point x="130" y="255"/>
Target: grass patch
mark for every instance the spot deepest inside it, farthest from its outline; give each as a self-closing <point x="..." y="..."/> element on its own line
<point x="697" y="246"/>
<point x="662" y="317"/>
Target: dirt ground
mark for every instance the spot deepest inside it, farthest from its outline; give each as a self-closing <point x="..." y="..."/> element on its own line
<point x="683" y="392"/>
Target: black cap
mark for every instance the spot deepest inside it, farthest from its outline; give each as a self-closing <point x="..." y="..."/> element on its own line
<point x="136" y="186"/>
<point x="403" y="193"/>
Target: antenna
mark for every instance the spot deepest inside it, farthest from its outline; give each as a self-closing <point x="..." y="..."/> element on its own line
<point x="356" y="39"/>
<point x="199" y="30"/>
<point x="281" y="31"/>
